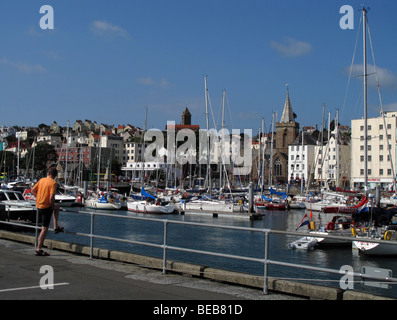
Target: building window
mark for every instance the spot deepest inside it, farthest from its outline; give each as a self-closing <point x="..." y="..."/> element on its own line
<point x="381" y="172"/>
<point x="278" y="167"/>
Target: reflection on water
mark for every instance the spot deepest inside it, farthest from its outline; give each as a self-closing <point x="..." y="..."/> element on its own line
<point x="233" y="242"/>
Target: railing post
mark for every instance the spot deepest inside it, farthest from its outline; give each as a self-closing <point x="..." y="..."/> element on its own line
<point x="36" y="235"/>
<point x="165" y="247"/>
<point x="265" y="267"/>
<point x="92" y="236"/>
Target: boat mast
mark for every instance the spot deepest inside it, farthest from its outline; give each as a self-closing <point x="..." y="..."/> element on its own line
<point x="208" y="141"/>
<point x="99" y="157"/>
<point x="271" y="156"/>
<point x="365" y="100"/>
<point x="263" y="156"/>
<point x="336" y="168"/>
<point x="67" y="154"/>
<point x="223" y="139"/>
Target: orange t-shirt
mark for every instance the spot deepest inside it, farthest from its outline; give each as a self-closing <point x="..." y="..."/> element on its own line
<point x="45" y="188"/>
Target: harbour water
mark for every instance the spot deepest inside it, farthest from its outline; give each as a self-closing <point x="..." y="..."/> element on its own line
<point x="233" y="242"/>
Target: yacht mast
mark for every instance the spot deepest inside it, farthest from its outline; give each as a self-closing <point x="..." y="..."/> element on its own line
<point x="271" y="156"/>
<point x="365" y="100"/>
<point x="222" y="140"/>
<point x="208" y="138"/>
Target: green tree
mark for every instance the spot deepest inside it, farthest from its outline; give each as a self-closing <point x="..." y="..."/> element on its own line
<point x="45" y="155"/>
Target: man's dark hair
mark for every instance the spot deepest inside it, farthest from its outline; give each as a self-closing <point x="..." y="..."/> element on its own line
<point x="53" y="172"/>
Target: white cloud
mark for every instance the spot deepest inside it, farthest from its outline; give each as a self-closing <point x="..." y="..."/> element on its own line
<point x="23" y="66"/>
<point x="103" y="28"/>
<point x="148" y="81"/>
<point x="386" y="77"/>
<point x="291" y="47"/>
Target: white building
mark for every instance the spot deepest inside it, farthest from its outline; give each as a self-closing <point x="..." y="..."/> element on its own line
<point x="381" y="152"/>
<point x="134" y="170"/>
<point x="132" y="152"/>
<point x="333" y="162"/>
<point x="301" y="158"/>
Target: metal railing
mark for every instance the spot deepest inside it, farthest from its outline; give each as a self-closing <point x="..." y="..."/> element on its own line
<point x="165" y="247"/>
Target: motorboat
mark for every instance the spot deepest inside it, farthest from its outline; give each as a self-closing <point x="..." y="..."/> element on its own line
<point x="17" y="207"/>
<point x="62" y="199"/>
<point x="304" y="243"/>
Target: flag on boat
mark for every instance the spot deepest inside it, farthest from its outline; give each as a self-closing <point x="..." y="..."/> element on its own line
<point x="363" y="208"/>
<point x="305" y="221"/>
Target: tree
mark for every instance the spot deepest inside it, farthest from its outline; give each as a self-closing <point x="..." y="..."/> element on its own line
<point x="44" y="156"/>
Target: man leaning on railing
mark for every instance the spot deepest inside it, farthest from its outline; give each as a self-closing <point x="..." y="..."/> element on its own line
<point x="44" y="191"/>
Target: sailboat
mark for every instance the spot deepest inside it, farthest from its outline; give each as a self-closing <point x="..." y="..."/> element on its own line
<point x="379" y="218"/>
<point x="103" y="200"/>
<point x="150" y="204"/>
<point x="207" y="203"/>
<point x="100" y="199"/>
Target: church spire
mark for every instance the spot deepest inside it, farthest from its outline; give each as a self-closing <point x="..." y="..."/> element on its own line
<point x="288" y="115"/>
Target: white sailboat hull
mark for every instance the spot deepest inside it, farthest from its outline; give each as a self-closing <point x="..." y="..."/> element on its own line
<point x="143" y="207"/>
<point x="208" y="206"/>
<point x="334" y="242"/>
<point x="96" y="204"/>
<point x="375" y="248"/>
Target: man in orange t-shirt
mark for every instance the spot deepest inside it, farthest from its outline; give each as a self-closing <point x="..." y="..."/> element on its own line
<point x="44" y="191"/>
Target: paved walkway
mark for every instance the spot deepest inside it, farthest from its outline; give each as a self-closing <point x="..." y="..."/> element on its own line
<point x="80" y="278"/>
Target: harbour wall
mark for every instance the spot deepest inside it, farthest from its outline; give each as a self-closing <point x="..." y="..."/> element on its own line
<point x="309" y="291"/>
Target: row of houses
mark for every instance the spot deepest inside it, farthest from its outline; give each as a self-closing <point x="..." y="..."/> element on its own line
<point x="291" y="155"/>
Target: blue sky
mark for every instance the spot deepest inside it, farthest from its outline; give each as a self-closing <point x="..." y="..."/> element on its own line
<point x="107" y="60"/>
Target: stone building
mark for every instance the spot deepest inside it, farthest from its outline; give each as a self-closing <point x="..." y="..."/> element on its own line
<point x="287" y="130"/>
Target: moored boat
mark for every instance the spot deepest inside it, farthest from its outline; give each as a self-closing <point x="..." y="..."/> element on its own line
<point x="346" y="209"/>
<point x="151" y="208"/>
<point x="102" y="201"/>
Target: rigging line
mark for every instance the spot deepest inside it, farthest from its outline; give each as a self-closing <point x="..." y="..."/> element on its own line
<point x="351" y="69"/>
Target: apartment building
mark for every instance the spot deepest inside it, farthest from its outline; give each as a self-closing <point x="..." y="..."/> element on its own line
<point x="301" y="157"/>
<point x="332" y="162"/>
<point x="381" y="156"/>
